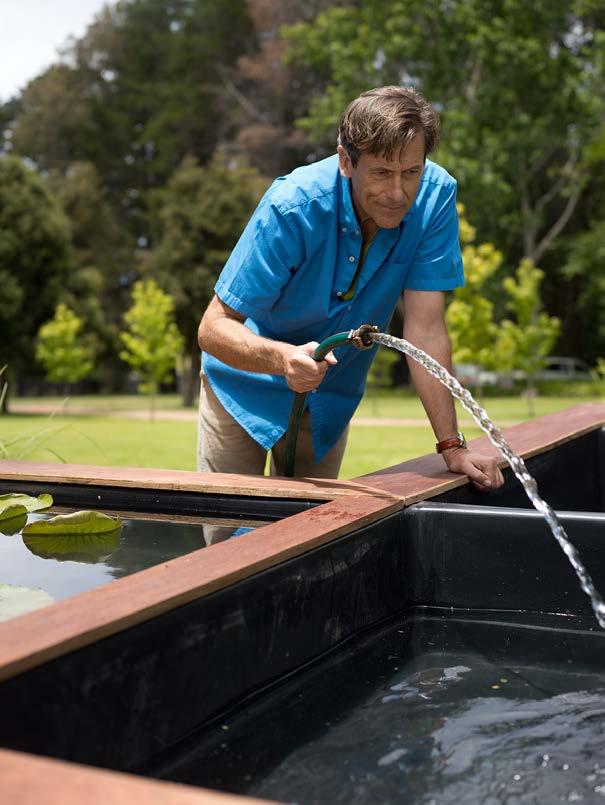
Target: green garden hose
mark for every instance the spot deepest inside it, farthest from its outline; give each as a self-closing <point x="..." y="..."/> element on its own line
<point x="359" y="338"/>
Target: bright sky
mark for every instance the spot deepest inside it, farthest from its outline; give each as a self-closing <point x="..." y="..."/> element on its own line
<point x="30" y="33"/>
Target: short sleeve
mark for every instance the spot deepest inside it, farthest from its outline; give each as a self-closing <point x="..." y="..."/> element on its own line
<point x="262" y="262"/>
<point x="437" y="263"/>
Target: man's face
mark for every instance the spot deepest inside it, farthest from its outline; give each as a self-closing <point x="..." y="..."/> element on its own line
<point x="384" y="189"/>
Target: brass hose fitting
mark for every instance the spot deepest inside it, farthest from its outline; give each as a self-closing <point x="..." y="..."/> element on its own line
<point x="361" y="338"/>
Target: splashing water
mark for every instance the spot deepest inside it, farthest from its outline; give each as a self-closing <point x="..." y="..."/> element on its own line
<point x="516" y="463"/>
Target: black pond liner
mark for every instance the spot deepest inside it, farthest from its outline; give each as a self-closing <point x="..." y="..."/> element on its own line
<point x="161" y="501"/>
<point x="249" y="688"/>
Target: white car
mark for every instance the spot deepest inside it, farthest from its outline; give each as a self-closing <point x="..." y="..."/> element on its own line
<point x="469" y="374"/>
<point x="558" y="368"/>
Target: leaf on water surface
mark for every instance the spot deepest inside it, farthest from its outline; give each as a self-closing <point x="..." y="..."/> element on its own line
<point x="15" y="600"/>
<point x="31" y="504"/>
<point x="88" y="548"/>
<point x="12" y="520"/>
<point x="78" y="523"/>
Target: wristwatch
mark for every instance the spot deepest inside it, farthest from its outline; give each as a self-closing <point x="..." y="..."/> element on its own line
<point x="455" y="441"/>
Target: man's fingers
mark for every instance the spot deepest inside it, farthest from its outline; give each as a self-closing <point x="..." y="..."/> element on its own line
<point x="478" y="477"/>
<point x="492" y="477"/>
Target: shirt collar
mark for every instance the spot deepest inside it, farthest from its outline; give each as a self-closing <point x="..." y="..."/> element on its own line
<point x="347" y="219"/>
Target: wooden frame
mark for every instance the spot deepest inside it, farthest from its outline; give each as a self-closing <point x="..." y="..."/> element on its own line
<point x="37" y="637"/>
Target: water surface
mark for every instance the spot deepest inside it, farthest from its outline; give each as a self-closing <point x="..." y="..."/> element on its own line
<point x="426" y="711"/>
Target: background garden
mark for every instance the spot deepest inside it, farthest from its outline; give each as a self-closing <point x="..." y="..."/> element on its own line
<point x="130" y="166"/>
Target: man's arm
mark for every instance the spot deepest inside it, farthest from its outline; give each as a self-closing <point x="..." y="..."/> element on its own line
<point x="222" y="333"/>
<point x="425" y="328"/>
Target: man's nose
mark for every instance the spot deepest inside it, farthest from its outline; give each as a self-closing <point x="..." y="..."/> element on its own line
<point x="396" y="190"/>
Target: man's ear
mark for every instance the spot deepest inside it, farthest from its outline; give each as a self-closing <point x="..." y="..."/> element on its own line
<point x="345" y="165"/>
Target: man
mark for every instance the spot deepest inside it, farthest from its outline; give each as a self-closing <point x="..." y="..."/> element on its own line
<point x="332" y="246"/>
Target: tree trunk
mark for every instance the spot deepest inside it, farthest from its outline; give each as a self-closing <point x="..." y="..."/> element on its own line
<point x="530" y="393"/>
<point x="4" y="392"/>
<point x="191" y="375"/>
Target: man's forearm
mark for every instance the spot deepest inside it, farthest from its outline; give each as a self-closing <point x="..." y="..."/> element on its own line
<point x="435" y="397"/>
<point x="222" y="333"/>
<point x="233" y="343"/>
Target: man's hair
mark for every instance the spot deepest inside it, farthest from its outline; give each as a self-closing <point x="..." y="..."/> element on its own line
<point x="384" y="120"/>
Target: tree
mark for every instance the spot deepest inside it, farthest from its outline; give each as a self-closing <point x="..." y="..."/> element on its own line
<point x="34" y="260"/>
<point x="525" y="343"/>
<point x="66" y="355"/>
<point x="200" y="215"/>
<point x="137" y="92"/>
<point x="521" y="92"/>
<point x="99" y="284"/>
<point x="152" y="341"/>
<point x="470" y="314"/>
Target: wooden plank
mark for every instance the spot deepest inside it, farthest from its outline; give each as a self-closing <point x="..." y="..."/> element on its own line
<point x="425" y="477"/>
<point x="34" y="638"/>
<point x="184" y="481"/>
<point x="31" y="780"/>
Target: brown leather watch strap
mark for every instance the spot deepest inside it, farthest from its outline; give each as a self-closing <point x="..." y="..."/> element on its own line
<point x="455" y="441"/>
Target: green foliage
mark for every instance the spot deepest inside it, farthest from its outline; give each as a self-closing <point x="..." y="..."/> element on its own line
<point x="599" y="375"/>
<point x="66" y="355"/>
<point x="142" y="88"/>
<point x="200" y="215"/>
<point x="380" y="374"/>
<point x="525" y="343"/>
<point x="470" y="315"/>
<point x="152" y="341"/>
<point x="34" y="259"/>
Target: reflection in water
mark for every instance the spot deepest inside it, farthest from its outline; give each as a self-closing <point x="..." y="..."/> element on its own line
<point x="65" y="566"/>
<point x="420" y="712"/>
<point x="87" y="548"/>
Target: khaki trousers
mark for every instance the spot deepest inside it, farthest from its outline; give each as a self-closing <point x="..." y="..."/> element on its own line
<point x="224" y="446"/>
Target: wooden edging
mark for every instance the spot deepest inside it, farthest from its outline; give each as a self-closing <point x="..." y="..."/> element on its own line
<point x="426" y="476"/>
<point x="32" y="639"/>
<point x="319" y="489"/>
<point x="32" y="780"/>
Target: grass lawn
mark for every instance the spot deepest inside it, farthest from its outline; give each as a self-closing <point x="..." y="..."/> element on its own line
<point x="112" y="441"/>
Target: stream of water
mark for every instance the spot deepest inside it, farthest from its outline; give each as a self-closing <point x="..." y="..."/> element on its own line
<point x="516" y="463"/>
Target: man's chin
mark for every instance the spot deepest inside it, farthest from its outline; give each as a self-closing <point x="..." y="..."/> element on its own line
<point x="390" y="220"/>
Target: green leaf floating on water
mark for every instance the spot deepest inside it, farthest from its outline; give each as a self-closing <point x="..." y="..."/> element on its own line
<point x="16" y="600"/>
<point x="85" y="536"/>
<point x="14" y="508"/>
<point x="12" y="519"/>
<point x="30" y="503"/>
<point x="84" y="522"/>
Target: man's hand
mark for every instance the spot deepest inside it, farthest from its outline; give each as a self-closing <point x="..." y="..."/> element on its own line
<point x="482" y="470"/>
<point x="302" y="373"/>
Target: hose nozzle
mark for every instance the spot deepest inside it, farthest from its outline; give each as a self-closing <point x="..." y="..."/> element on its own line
<point x="361" y="338"/>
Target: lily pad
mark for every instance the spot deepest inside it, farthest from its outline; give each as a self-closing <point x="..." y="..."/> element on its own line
<point x="31" y="504"/>
<point x="88" y="548"/>
<point x="78" y="523"/>
<point x="12" y="520"/>
<point x="15" y="600"/>
<point x="8" y="512"/>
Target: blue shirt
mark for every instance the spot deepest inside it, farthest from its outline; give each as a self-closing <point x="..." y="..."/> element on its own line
<point x="300" y="247"/>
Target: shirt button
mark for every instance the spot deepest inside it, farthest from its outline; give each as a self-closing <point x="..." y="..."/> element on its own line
<point x="351" y="259"/>
<point x="357" y="231"/>
<point x="343" y="229"/>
